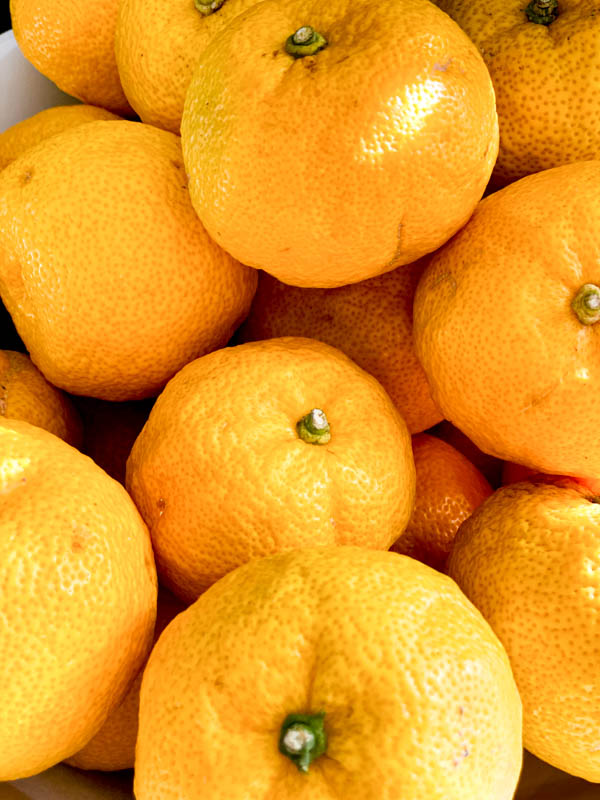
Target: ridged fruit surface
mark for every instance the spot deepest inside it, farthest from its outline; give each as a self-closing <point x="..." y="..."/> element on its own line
<point x="330" y="168"/>
<point x="222" y="473"/>
<point x="417" y="693"/>
<point x="370" y="321"/>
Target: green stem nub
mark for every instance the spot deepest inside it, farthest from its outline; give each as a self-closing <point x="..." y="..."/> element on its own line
<point x="542" y="12"/>
<point x="302" y="738"/>
<point x="207" y="7"/>
<point x="586" y="304"/>
<point x="314" y="428"/>
<point x="304" y="42"/>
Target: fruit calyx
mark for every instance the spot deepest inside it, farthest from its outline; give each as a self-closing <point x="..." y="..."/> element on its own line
<point x="207" y="7"/>
<point x="306" y="41"/>
<point x="542" y="12"/>
<point x="302" y="738"/>
<point x="313" y="427"/>
<point x="586" y="304"/>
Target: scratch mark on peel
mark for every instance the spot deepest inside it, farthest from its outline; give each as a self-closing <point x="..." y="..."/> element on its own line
<point x="445" y="276"/>
<point x="398" y="251"/>
<point x="539" y="398"/>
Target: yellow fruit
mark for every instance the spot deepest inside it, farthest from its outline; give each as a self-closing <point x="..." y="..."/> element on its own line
<point x="113" y="747"/>
<point x="505" y="322"/>
<point x="111" y="280"/>
<point x="72" y="43"/>
<point x="329" y="166"/>
<point x="23" y="135"/>
<point x="391" y="670"/>
<point x="528" y="559"/>
<point x="265" y="447"/>
<point x="157" y="44"/>
<point x="370" y="321"/>
<point x="26" y="395"/>
<point x="77" y="598"/>
<point x="544" y="61"/>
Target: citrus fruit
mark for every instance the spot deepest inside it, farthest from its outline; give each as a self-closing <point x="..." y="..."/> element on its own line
<point x="113" y="747"/>
<point x="448" y="489"/>
<point x="111" y="280"/>
<point x="544" y="61"/>
<point x="327" y="143"/>
<point x="504" y="322"/>
<point x="26" y="395"/>
<point x="71" y="42"/>
<point x="77" y="598"/>
<point x="528" y="559"/>
<point x="109" y="431"/>
<point x="157" y="44"/>
<point x="265" y="447"/>
<point x="370" y="321"/>
<point x="329" y="672"/>
<point x="23" y="135"/>
<point x="514" y="473"/>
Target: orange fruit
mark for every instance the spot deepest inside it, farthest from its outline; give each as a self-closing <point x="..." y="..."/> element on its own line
<point x="527" y="558"/>
<point x="370" y="321"/>
<point x="111" y="280"/>
<point x="157" y="44"/>
<point x="77" y="598"/>
<point x="329" y="166"/>
<point x="71" y="42"/>
<point x="448" y="489"/>
<point x="113" y="747"/>
<point x="265" y="447"/>
<point x="489" y="466"/>
<point x="329" y="672"/>
<point x="543" y="58"/>
<point x="109" y="431"/>
<point x="504" y="322"/>
<point x="23" y="135"/>
<point x="515" y="473"/>
<point x="26" y="395"/>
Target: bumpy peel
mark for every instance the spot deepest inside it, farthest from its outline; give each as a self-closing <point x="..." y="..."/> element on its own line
<point x="329" y="168"/>
<point x="78" y="598"/>
<point x="106" y="270"/>
<point x="416" y="692"/>
<point x="229" y="465"/>
<point x="511" y="357"/>
<point x="528" y="559"/>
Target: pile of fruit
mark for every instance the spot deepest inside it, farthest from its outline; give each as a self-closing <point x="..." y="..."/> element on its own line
<point x="299" y="465"/>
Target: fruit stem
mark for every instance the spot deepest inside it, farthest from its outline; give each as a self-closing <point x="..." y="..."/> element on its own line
<point x="304" y="42"/>
<point x="542" y="12"/>
<point x="302" y="738"/>
<point x="586" y="304"/>
<point x="207" y="7"/>
<point x="314" y="427"/>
